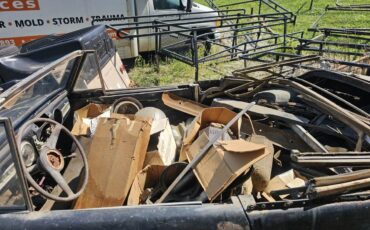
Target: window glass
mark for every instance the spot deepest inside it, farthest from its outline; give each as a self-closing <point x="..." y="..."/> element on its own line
<point x="11" y="195"/>
<point x="88" y="77"/>
<point x="113" y="78"/>
<point x="35" y="94"/>
<point x="101" y="50"/>
<point x="167" y="4"/>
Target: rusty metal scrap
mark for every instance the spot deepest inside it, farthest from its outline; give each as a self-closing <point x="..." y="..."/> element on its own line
<point x="331" y="159"/>
<point x="267" y="67"/>
<point x="201" y="154"/>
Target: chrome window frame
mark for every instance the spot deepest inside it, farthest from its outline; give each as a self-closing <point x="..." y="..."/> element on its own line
<point x="14" y="151"/>
<point x="41" y="73"/>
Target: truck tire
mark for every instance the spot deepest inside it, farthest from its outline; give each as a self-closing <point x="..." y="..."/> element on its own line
<point x="8" y="50"/>
<point x="126" y="105"/>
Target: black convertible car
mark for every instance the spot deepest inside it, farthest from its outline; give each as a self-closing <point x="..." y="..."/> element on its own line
<point x="317" y="124"/>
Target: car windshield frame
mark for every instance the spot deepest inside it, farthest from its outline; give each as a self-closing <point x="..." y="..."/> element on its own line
<point x="13" y="91"/>
<point x="79" y="56"/>
<point x="9" y="136"/>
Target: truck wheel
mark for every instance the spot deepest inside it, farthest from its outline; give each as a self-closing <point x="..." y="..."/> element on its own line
<point x="126" y="105"/>
<point x="8" y="50"/>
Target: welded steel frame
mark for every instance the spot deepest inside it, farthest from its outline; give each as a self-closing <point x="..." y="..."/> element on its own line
<point x="235" y="21"/>
<point x="276" y="56"/>
<point x="237" y="48"/>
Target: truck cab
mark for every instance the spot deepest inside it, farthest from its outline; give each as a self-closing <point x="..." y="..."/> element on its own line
<point x="163" y="10"/>
<point x="19" y="26"/>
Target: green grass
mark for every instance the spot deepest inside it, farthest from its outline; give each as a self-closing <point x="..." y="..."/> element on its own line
<point x="175" y="72"/>
<point x="306" y="18"/>
<point x="170" y="72"/>
<point x="337" y="19"/>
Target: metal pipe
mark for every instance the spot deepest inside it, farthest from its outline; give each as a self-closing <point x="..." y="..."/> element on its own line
<point x="166" y="15"/>
<point x="331" y="108"/>
<point x="337" y="159"/>
<point x="333" y="95"/>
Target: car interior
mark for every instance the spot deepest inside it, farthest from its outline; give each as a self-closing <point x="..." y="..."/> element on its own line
<point x="67" y="154"/>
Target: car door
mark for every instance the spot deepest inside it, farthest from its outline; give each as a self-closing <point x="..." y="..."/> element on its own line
<point x="166" y="10"/>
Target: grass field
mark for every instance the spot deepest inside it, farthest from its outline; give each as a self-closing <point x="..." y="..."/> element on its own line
<point x="306" y="18"/>
<point x="174" y="72"/>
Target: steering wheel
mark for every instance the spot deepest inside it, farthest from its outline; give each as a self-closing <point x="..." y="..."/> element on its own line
<point x="51" y="160"/>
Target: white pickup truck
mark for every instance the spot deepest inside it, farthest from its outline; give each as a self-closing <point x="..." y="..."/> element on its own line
<point x="25" y="20"/>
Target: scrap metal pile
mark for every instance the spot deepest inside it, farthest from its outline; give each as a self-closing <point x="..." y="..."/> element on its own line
<point x="284" y="139"/>
<point x="278" y="142"/>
